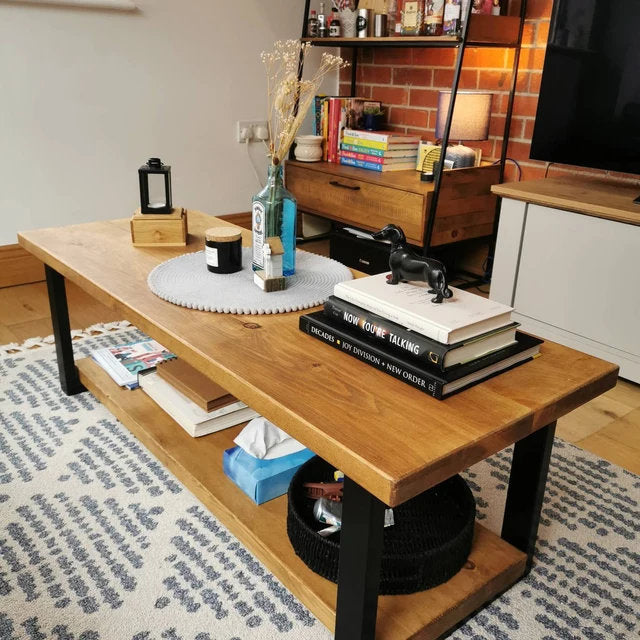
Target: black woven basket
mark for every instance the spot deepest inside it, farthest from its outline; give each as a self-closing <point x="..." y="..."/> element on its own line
<point x="428" y="544"/>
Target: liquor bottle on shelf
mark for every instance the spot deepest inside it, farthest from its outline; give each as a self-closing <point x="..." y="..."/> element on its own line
<point x="434" y="14"/>
<point x="323" y="31"/>
<point x="412" y="17"/>
<point x="335" y="29"/>
<point x="312" y="25"/>
<point x="452" y="23"/>
<point x="392" y="10"/>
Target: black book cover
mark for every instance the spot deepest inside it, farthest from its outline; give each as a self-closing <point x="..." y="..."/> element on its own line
<point x="429" y="380"/>
<point x="394" y="337"/>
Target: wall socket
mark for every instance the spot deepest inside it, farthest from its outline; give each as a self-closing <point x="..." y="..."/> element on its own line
<point x="246" y="130"/>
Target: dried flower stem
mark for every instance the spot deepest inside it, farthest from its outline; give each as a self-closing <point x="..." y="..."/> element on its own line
<point x="288" y="96"/>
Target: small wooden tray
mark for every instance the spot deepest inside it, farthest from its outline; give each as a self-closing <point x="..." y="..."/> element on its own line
<point x="155" y="229"/>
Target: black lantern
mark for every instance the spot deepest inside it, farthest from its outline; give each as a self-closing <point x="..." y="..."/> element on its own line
<point x="155" y="187"/>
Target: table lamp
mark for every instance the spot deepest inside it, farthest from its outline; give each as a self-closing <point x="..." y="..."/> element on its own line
<point x="471" y="116"/>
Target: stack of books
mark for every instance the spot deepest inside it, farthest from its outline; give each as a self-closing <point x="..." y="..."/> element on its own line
<point x="197" y="404"/>
<point x="379" y="150"/>
<point x="437" y="348"/>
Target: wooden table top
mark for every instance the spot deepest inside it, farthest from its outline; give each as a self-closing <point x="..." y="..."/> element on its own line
<point x="590" y="196"/>
<point x="392" y="439"/>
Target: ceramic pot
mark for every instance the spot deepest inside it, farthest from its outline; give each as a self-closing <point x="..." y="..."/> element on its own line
<point x="308" y="148"/>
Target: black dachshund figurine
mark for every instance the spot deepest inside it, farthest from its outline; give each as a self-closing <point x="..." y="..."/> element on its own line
<point x="406" y="265"/>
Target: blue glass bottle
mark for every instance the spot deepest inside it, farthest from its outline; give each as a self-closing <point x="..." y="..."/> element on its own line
<point x="273" y="213"/>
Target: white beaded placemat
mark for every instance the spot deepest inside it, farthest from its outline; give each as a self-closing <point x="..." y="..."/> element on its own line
<point x="187" y="282"/>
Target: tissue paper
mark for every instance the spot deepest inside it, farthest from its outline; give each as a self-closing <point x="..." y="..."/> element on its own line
<point x="263" y="440"/>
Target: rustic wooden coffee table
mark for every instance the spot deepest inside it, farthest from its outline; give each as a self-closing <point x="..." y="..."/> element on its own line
<point x="391" y="441"/>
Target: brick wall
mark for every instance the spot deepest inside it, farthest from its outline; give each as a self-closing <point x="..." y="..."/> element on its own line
<point x="407" y="81"/>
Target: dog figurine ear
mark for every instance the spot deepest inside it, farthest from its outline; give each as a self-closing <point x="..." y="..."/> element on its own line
<point x="407" y="266"/>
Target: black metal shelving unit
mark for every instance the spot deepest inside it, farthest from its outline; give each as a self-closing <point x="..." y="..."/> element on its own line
<point x="468" y="38"/>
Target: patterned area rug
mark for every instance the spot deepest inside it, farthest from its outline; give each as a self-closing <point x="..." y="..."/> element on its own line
<point x="99" y="541"/>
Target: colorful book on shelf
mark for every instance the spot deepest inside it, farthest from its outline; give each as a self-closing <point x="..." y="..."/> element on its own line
<point x="435" y="383"/>
<point x="404" y="342"/>
<point x="124" y="362"/>
<point x="194" y="420"/>
<point x="398" y="151"/>
<point x="388" y="137"/>
<point x="376" y="144"/>
<point x="325" y="129"/>
<point x="334" y="118"/>
<point x="317" y="114"/>
<point x="374" y="166"/>
<point x="194" y="385"/>
<point x="459" y="318"/>
<point x="364" y="157"/>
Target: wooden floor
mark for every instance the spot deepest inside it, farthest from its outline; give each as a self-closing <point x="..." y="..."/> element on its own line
<point x="608" y="426"/>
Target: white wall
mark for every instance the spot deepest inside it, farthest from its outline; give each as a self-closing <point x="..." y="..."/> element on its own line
<point x="86" y="96"/>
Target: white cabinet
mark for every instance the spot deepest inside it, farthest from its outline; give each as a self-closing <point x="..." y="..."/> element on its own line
<point x="573" y="279"/>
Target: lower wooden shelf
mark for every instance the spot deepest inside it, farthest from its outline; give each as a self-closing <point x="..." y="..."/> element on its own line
<point x="197" y="462"/>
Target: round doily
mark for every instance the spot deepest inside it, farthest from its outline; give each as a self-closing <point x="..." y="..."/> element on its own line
<point x="187" y="282"/>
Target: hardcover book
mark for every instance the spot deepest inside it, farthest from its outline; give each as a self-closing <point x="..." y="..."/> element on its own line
<point x="376" y="144"/>
<point x="375" y="166"/>
<point x="194" y="385"/>
<point x="365" y="157"/>
<point x="435" y="383"/>
<point x="404" y="342"/>
<point x="459" y="318"/>
<point x="397" y="152"/>
<point x="187" y="414"/>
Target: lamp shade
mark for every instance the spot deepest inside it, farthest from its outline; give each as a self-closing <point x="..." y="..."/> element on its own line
<point x="471" y="115"/>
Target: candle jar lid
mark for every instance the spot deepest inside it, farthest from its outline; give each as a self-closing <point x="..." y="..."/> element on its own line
<point x="222" y="234"/>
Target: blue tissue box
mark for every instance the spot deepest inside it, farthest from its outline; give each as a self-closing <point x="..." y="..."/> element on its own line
<point x="262" y="480"/>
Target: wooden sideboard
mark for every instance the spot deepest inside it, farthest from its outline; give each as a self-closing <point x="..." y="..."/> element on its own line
<point x="567" y="260"/>
<point x="369" y="200"/>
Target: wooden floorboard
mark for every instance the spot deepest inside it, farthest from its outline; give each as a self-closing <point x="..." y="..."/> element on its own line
<point x="24" y="311"/>
<point x="607" y="426"/>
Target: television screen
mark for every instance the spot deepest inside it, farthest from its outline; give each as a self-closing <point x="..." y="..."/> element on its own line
<point x="589" y="107"/>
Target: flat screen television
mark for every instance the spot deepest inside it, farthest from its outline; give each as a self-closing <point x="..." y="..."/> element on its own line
<point x="589" y="107"/>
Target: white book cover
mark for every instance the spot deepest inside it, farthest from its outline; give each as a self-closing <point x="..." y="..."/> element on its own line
<point x="463" y="316"/>
<point x="188" y="414"/>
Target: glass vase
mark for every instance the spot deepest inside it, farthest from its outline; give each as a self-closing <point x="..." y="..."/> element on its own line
<point x="273" y="213"/>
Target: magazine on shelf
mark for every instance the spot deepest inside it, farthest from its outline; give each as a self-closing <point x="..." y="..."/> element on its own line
<point x="124" y="362"/>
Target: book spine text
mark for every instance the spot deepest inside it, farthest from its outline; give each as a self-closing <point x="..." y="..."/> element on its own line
<point x="372" y="166"/>
<point x="381" y="361"/>
<point x="389" y="334"/>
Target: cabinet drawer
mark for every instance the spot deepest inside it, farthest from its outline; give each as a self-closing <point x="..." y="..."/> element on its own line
<point x="357" y="202"/>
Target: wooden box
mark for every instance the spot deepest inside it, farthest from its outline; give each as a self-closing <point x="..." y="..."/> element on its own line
<point x="165" y="230"/>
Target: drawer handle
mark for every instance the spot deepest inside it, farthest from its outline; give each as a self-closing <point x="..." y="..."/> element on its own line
<point x="335" y="183"/>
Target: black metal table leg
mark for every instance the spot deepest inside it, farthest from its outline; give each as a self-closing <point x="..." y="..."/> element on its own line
<point x="69" y="380"/>
<point x="359" y="568"/>
<point x="527" y="483"/>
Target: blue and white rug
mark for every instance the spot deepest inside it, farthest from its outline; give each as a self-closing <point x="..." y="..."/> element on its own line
<point x="99" y="541"/>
